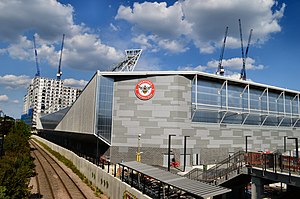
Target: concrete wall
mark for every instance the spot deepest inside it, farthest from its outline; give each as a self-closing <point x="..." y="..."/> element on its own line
<point x="113" y="187"/>
<point x="167" y="112"/>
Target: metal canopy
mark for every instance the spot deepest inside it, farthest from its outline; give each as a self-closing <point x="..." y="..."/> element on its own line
<point x="193" y="187"/>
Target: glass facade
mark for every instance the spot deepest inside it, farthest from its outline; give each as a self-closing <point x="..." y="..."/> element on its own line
<point x="224" y="101"/>
<point x="105" y="87"/>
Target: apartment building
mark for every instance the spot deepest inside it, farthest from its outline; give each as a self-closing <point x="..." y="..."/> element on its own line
<point x="44" y="96"/>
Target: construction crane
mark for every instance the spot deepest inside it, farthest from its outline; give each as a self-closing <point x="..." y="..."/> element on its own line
<point x="129" y="63"/>
<point x="249" y="40"/>
<point x="182" y="10"/>
<point x="243" y="71"/>
<point x="221" y="70"/>
<point x="59" y="73"/>
<point x="244" y="56"/>
<point x="36" y="59"/>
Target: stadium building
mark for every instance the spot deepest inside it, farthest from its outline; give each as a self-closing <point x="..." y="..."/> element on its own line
<point x="121" y="113"/>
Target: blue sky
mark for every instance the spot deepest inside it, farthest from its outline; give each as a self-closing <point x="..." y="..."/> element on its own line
<point x="174" y="35"/>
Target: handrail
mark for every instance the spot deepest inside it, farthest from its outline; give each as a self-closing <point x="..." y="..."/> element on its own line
<point x="221" y="169"/>
<point x="271" y="162"/>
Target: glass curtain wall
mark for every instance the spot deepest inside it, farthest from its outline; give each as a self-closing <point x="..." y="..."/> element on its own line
<point x="105" y="86"/>
<point x="224" y="101"/>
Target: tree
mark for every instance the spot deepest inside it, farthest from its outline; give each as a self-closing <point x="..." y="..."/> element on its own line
<point x="2" y="193"/>
<point x="17" y="164"/>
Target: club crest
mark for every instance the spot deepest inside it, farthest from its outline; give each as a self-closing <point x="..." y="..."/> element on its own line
<point x="144" y="89"/>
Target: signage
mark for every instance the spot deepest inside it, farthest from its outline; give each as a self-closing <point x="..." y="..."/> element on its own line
<point x="144" y="89"/>
<point x="127" y="195"/>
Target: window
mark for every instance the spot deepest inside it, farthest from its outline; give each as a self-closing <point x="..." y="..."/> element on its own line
<point x="104" y="107"/>
<point x="224" y="101"/>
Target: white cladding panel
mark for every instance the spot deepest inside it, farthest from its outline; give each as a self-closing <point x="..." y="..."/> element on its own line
<point x="81" y="116"/>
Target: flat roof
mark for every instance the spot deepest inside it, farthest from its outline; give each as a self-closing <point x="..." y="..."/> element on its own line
<point x="193" y="187"/>
<point x="214" y="76"/>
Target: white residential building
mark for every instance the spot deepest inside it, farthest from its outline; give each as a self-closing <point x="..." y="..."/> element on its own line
<point x="46" y="96"/>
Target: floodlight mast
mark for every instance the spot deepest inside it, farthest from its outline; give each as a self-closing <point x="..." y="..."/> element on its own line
<point x="36" y="59"/>
<point x="129" y="63"/>
<point x="59" y="72"/>
<point x="221" y="70"/>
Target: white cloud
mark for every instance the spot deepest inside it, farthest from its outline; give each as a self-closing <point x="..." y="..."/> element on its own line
<point x="49" y="19"/>
<point x="158" y="18"/>
<point x="13" y="81"/>
<point x="233" y="75"/>
<point x="16" y="101"/>
<point x="232" y="67"/>
<point x="204" y="21"/>
<point x="75" y="83"/>
<point x="144" y="41"/>
<point x="236" y="64"/>
<point x="190" y="68"/>
<point x="3" y="98"/>
<point x="172" y="45"/>
<point x="153" y="43"/>
<point x="19" y="49"/>
<point x="86" y="52"/>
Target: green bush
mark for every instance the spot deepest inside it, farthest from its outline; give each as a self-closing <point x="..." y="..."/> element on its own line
<point x="16" y="164"/>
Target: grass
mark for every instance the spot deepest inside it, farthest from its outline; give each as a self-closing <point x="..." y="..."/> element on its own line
<point x="70" y="165"/>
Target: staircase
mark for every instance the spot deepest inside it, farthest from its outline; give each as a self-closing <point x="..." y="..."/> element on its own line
<point x="225" y="170"/>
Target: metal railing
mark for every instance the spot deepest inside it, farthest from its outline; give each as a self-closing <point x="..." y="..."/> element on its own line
<point x="271" y="162"/>
<point x="222" y="169"/>
<point x="274" y="162"/>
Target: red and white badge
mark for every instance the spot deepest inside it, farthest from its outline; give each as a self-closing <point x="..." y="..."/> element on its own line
<point x="144" y="90"/>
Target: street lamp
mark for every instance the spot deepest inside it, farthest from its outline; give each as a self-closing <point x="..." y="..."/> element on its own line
<point x="138" y="154"/>
<point x="246" y="137"/>
<point x="184" y="152"/>
<point x="169" y="151"/>
<point x="284" y="143"/>
<point x="296" y="142"/>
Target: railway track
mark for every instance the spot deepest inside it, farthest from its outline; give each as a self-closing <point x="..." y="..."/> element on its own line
<point x="52" y="180"/>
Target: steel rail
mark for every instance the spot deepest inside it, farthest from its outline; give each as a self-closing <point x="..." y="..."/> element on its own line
<point x="81" y="192"/>
<point x="46" y="175"/>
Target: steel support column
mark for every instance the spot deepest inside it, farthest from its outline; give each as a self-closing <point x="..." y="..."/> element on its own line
<point x="296" y="143"/>
<point x="184" y="153"/>
<point x="246" y="138"/>
<point x="169" y="151"/>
